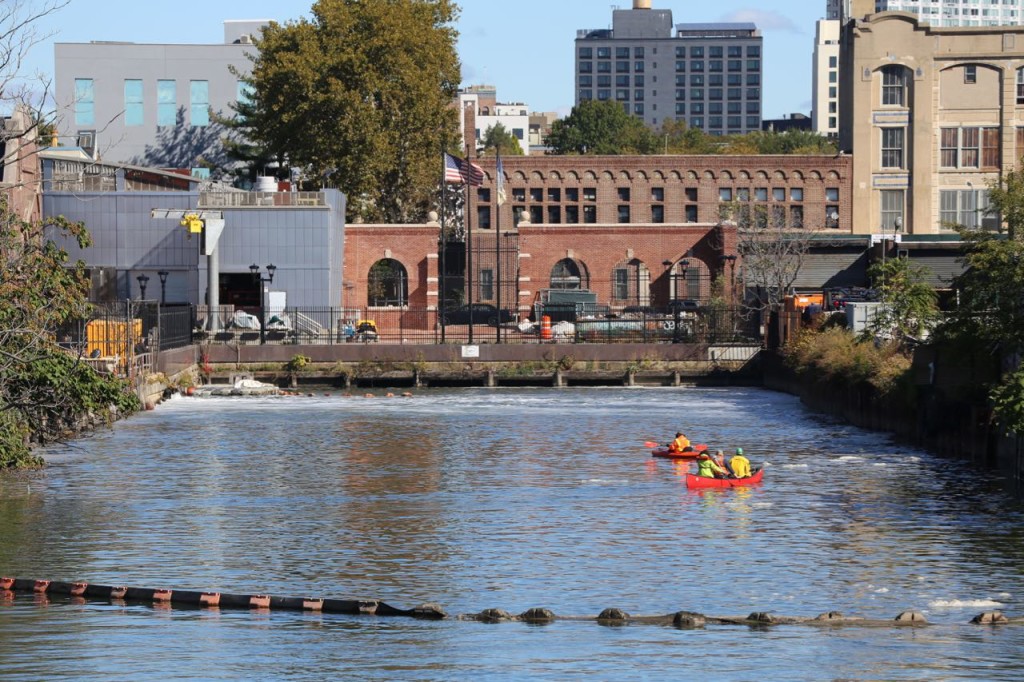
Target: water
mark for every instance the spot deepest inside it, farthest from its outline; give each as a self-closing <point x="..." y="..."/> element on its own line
<point x="511" y="499"/>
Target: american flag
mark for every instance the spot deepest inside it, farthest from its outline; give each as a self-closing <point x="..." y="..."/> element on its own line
<point x="462" y="170"/>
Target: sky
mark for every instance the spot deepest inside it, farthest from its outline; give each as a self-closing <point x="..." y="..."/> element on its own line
<point x="522" y="47"/>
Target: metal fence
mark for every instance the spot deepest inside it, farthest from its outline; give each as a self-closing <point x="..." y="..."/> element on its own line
<point x="328" y="326"/>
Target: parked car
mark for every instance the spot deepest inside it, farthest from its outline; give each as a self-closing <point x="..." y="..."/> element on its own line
<point x="483" y="313"/>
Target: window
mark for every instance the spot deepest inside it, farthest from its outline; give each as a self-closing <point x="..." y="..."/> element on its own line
<point x="604" y="53"/>
<point x="715" y="65"/>
<point x="554" y="194"/>
<point x="725" y="194"/>
<point x="697" y="65"/>
<point x="1020" y="85"/>
<point x="166" y="102"/>
<point x="697" y="51"/>
<point x="796" y="217"/>
<point x="589" y="194"/>
<point x="586" y="53"/>
<point x="715" y="51"/>
<point x="621" y="67"/>
<point x="536" y="214"/>
<point x="554" y="214"/>
<point x="638" y="53"/>
<point x="779" y="193"/>
<point x="735" y="51"/>
<point x="622" y="95"/>
<point x="537" y="194"/>
<point x="760" y="194"/>
<point x="892" y="147"/>
<point x="620" y="286"/>
<point x="589" y="213"/>
<point x="132" y="102"/>
<point x="623" y="193"/>
<point x="519" y="194"/>
<point x="796" y="194"/>
<point x="483" y="194"/>
<point x="894" y="85"/>
<point x="487" y="284"/>
<point x="387" y="284"/>
<point x="691" y="213"/>
<point x="970" y="74"/>
<point x="831" y="194"/>
<point x="199" y="103"/>
<point x="832" y="217"/>
<point x="483" y="217"/>
<point x="680" y="51"/>
<point x="833" y="62"/>
<point x="586" y="67"/>
<point x="891" y="209"/>
<point x="657" y="213"/>
<point x="244" y="92"/>
<point x="969" y="147"/>
<point x="657" y="194"/>
<point x="85" y="102"/>
<point x="624" y="214"/>
<point x="966" y="207"/>
<point x="743" y="194"/>
<point x="622" y="53"/>
<point x="518" y="133"/>
<point x="572" y="193"/>
<point x="753" y="65"/>
<point x="572" y="214"/>
<point x="697" y="81"/>
<point x="753" y="50"/>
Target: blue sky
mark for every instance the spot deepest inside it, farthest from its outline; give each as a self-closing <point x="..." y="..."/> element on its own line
<point x="523" y="47"/>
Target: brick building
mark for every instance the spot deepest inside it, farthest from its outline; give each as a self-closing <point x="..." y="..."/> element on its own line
<point x="636" y="230"/>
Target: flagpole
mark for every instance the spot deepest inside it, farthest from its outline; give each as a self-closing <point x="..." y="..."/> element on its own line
<point x="444" y="242"/>
<point x="469" y="245"/>
<point x="498" y="182"/>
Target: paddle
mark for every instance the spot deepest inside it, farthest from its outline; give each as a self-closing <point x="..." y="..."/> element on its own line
<point x="700" y="447"/>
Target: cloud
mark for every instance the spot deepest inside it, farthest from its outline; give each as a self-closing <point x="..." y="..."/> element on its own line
<point x="765" y="20"/>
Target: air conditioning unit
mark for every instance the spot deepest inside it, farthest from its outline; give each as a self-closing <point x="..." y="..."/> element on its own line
<point x="245" y="39"/>
<point x="87" y="140"/>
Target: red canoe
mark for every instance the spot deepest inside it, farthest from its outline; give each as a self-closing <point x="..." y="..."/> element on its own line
<point x="694" y="481"/>
<point x="663" y="451"/>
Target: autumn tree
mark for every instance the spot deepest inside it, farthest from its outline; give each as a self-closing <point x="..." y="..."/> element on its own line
<point x="359" y="97"/>
<point x="594" y="127"/>
<point x="909" y="307"/>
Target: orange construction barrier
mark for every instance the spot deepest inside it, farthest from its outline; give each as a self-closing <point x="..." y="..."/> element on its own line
<point x="545" y="327"/>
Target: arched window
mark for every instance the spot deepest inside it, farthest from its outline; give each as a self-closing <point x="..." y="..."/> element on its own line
<point x="894" y="85"/>
<point x="631" y="283"/>
<point x="569" y="274"/>
<point x="689" y="280"/>
<point x="387" y="284"/>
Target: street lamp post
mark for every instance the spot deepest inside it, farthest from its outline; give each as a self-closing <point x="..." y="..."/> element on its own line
<point x="143" y="281"/>
<point x="257" y="277"/>
<point x="163" y="286"/>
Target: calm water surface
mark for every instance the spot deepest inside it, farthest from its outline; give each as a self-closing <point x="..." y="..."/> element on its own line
<point x="506" y="499"/>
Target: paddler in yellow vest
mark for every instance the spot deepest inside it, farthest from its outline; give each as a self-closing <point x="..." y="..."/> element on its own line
<point x="739" y="464"/>
<point x="680" y="444"/>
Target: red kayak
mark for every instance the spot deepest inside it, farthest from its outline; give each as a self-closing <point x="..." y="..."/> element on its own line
<point x="694" y="481"/>
<point x="663" y="451"/>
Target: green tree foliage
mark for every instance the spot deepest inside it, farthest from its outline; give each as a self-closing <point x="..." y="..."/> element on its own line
<point x="498" y="137"/>
<point x="359" y="97"/>
<point x="909" y="305"/>
<point x="43" y="388"/>
<point x="594" y="127"/>
<point x="990" y="309"/>
<point x="678" y="138"/>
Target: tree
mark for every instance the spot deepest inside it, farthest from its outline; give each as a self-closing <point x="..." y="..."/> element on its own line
<point x="678" y="138"/>
<point x="498" y="137"/>
<point x="601" y="128"/>
<point x="43" y="388"/>
<point x="360" y="98"/>
<point x="909" y="307"/>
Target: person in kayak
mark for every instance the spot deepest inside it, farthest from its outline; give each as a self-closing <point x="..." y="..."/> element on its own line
<point x="707" y="468"/>
<point x="739" y="464"/>
<point x="680" y="444"/>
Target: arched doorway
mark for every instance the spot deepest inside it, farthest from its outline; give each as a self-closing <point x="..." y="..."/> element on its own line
<point x="569" y="273"/>
<point x="387" y="284"/>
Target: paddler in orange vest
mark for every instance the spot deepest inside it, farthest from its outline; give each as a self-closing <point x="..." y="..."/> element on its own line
<point x="680" y="444"/>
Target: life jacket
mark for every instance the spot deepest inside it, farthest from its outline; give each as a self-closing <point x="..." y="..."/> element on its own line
<point x="679" y="444"/>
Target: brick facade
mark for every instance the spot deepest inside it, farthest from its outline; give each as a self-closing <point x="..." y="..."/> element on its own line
<point x="605" y="214"/>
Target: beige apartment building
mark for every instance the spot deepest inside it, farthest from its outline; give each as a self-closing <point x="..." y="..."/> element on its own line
<point x="934" y="116"/>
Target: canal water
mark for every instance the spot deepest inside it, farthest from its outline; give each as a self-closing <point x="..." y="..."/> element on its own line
<point x="511" y="499"/>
